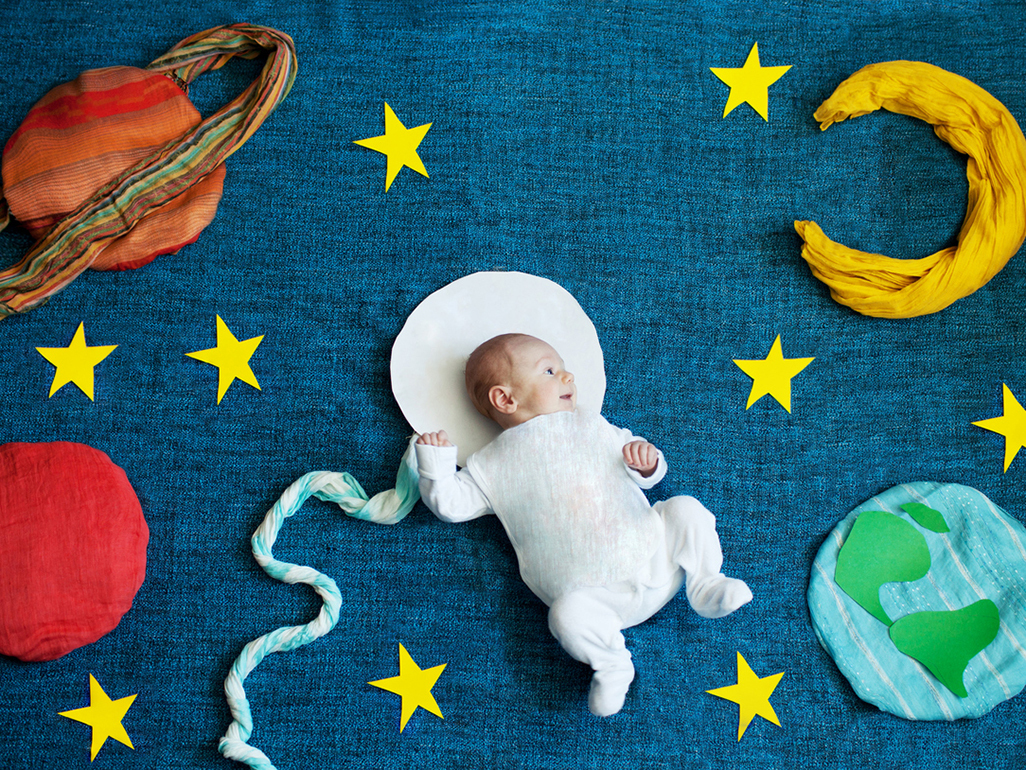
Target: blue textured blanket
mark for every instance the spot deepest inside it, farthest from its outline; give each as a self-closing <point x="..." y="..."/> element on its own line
<point x="579" y="141"/>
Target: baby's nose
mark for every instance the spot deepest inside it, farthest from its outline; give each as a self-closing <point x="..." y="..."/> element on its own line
<point x="568" y="376"/>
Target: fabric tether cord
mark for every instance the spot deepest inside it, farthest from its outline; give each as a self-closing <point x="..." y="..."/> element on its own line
<point x="384" y="508"/>
<point x="72" y="245"/>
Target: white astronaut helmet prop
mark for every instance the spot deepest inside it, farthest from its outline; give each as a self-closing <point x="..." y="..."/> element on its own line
<point x="430" y="354"/>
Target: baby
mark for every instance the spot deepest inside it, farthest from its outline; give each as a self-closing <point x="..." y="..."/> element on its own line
<point x="566" y="486"/>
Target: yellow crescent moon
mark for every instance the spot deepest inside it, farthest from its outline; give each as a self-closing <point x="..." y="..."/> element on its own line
<point x="972" y="122"/>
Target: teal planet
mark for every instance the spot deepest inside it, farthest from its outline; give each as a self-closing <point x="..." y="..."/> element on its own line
<point x="925" y="636"/>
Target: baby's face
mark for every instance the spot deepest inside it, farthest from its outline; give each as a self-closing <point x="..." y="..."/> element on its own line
<point x="540" y="382"/>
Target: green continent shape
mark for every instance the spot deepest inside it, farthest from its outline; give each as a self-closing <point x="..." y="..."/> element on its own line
<point x="945" y="642"/>
<point x="881" y="548"/>
<point x="927" y="517"/>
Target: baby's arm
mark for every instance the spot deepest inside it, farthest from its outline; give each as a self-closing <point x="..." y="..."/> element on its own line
<point x="451" y="496"/>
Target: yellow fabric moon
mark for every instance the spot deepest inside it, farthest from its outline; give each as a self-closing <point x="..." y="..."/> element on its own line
<point x="974" y="123"/>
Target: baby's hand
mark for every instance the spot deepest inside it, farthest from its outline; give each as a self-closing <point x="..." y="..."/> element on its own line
<point x="642" y="457"/>
<point x="441" y="438"/>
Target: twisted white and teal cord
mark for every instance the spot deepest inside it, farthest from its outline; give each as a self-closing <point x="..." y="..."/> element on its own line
<point x="341" y="488"/>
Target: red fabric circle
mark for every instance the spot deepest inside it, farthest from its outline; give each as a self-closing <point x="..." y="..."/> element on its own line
<point x="72" y="548"/>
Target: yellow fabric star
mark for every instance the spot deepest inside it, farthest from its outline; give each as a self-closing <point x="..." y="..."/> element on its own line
<point x="772" y="375"/>
<point x="400" y="144"/>
<point x="75" y="363"/>
<point x="752" y="694"/>
<point x="231" y="357"/>
<point x="414" y="685"/>
<point x="1011" y="425"/>
<point x="104" y="716"/>
<point x="750" y="84"/>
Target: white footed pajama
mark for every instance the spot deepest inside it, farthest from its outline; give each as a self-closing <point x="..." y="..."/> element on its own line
<point x="588" y="543"/>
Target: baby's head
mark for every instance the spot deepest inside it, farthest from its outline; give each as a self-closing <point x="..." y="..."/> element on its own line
<point x="513" y="378"/>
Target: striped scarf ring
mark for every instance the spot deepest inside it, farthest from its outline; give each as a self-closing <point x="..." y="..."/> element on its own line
<point x="157" y="197"/>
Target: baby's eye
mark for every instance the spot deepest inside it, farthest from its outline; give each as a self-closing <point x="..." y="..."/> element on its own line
<point x="550" y="371"/>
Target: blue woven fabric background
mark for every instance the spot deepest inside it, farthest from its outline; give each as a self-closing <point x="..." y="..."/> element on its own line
<point x="582" y="142"/>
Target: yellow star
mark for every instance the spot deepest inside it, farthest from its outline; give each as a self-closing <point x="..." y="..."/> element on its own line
<point x="104" y="716"/>
<point x="414" y="685"/>
<point x="400" y="144"/>
<point x="1011" y="425"/>
<point x="75" y="363"/>
<point x="752" y="694"/>
<point x="772" y="375"/>
<point x="231" y="357"/>
<point x="750" y="83"/>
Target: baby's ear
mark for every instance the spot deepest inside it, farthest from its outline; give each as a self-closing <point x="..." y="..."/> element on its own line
<point x="501" y="399"/>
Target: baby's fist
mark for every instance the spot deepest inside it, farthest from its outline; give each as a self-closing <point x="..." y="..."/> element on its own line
<point x="440" y="438"/>
<point x="641" y="456"/>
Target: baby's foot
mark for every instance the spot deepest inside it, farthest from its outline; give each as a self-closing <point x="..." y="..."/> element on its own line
<point x="716" y="596"/>
<point x="609" y="690"/>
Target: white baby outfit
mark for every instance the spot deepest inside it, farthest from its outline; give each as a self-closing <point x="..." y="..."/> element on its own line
<point x="588" y="543"/>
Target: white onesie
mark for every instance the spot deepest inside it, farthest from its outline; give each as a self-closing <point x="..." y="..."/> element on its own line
<point x="571" y="507"/>
<point x="588" y="543"/>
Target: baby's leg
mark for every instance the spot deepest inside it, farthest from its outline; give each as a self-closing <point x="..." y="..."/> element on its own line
<point x="694" y="545"/>
<point x="588" y="628"/>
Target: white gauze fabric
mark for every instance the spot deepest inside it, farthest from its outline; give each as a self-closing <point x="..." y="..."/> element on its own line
<point x="575" y="517"/>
